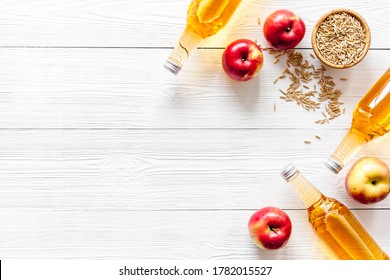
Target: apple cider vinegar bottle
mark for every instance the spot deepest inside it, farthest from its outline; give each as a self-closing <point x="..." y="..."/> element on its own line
<point x="204" y="19"/>
<point x="371" y="119"/>
<point x="333" y="222"/>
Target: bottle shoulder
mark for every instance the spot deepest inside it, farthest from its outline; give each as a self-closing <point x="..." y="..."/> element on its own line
<point x="327" y="205"/>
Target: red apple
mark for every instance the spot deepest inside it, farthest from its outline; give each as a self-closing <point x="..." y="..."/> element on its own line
<point x="283" y="29"/>
<point x="270" y="228"/>
<point x="242" y="59"/>
<point x="368" y="180"/>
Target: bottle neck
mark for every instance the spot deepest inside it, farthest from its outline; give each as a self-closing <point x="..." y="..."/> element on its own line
<point x="349" y="146"/>
<point x="188" y="41"/>
<point x="307" y="193"/>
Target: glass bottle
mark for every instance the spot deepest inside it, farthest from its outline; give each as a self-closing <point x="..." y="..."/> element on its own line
<point x="333" y="222"/>
<point x="371" y="119"/>
<point x="204" y="19"/>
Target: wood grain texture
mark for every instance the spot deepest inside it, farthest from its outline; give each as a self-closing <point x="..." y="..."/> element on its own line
<point x="166" y="169"/>
<point x="103" y="154"/>
<point x="158" y="235"/>
<point x="151" y="23"/>
<point x="128" y="88"/>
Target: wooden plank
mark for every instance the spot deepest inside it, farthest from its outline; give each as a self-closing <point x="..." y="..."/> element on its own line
<point x="167" y="169"/>
<point x="103" y="154"/>
<point x="128" y="88"/>
<point x="159" y="235"/>
<point x="152" y="23"/>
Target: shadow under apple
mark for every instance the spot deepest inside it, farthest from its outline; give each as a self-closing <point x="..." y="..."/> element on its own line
<point x="247" y="93"/>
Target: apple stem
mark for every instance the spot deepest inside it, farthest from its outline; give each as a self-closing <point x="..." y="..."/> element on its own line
<point x="273" y="229"/>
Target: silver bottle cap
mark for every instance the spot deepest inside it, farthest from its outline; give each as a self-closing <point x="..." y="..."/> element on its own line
<point x="172" y="67"/>
<point x="289" y="171"/>
<point x="333" y="165"/>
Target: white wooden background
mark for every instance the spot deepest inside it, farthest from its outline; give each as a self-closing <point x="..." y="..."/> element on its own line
<point x="104" y="154"/>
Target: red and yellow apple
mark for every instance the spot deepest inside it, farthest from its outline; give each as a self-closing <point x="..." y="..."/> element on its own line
<point x="242" y="60"/>
<point x="270" y="228"/>
<point x="283" y="29"/>
<point x="368" y="180"/>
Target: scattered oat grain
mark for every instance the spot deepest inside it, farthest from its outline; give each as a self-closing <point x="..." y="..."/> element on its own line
<point x="310" y="87"/>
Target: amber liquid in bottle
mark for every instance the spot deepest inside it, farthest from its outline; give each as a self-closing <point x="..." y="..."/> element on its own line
<point x="204" y="19"/>
<point x="371" y="119"/>
<point x="333" y="222"/>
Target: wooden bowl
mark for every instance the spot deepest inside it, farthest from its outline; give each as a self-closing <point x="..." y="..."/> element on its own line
<point x="362" y="22"/>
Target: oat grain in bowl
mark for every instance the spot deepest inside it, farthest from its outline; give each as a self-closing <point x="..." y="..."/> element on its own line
<point x="341" y="38"/>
